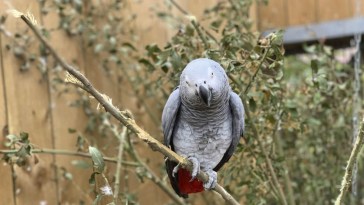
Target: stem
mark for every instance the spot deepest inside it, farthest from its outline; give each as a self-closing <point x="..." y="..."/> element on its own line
<point x="152" y="175"/>
<point x="125" y="119"/>
<point x="255" y="131"/>
<point x="252" y="79"/>
<point x="346" y="182"/>
<point x="266" y="157"/>
<point x="70" y="153"/>
<point x="287" y="180"/>
<point x="141" y="98"/>
<point x="202" y="37"/>
<point x="179" y="8"/>
<point x="13" y="178"/>
<point x="118" y="166"/>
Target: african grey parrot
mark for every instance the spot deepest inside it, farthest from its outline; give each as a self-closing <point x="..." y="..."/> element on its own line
<point x="202" y="120"/>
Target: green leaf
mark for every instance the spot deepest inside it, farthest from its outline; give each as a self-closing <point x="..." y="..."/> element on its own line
<point x="252" y="104"/>
<point x="129" y="45"/>
<point x="68" y="176"/>
<point x="98" y="48"/>
<point x="314" y="65"/>
<point x="215" y="25"/>
<point x="148" y="64"/>
<point x="97" y="159"/>
<point x="190" y="31"/>
<point x="71" y="130"/>
<point x="82" y="164"/>
<point x="92" y="179"/>
<point x="11" y="139"/>
<point x="24" y="137"/>
<point x="277" y="38"/>
<point x="98" y="199"/>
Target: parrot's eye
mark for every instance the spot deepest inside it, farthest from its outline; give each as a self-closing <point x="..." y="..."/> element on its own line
<point x="204" y="82"/>
<point x="196" y="85"/>
<point x="212" y="75"/>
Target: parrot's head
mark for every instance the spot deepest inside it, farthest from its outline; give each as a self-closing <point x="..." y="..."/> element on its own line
<point x="203" y="82"/>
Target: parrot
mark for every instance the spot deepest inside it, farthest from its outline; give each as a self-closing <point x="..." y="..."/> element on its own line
<point x="202" y="120"/>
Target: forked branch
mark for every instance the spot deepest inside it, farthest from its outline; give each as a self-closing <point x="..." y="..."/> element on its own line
<point x="122" y="117"/>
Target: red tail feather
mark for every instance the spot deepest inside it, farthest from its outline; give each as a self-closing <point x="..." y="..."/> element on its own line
<point x="184" y="184"/>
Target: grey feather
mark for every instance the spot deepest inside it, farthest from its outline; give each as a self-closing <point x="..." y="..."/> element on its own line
<point x="169" y="115"/>
<point x="237" y="110"/>
<point x="202" y="118"/>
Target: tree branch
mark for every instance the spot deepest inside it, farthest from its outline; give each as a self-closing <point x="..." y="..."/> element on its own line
<point x="122" y="117"/>
<point x="196" y="24"/>
<point x="152" y="176"/>
<point x="266" y="157"/>
<point x="346" y="182"/>
<point x="69" y="153"/>
<point x="255" y="132"/>
<point x="118" y="165"/>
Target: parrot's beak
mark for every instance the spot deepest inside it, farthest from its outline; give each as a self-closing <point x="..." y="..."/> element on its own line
<point x="205" y="95"/>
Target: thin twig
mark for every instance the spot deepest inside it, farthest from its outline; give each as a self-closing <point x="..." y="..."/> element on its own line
<point x="266" y="157"/>
<point x="118" y="166"/>
<point x="70" y="153"/>
<point x="13" y="178"/>
<point x="141" y="98"/>
<point x="124" y="119"/>
<point x="179" y="8"/>
<point x="202" y="37"/>
<point x="346" y="182"/>
<point x="151" y="175"/>
<point x="287" y="180"/>
<point x="255" y="132"/>
<point x="252" y="79"/>
<point x="183" y="11"/>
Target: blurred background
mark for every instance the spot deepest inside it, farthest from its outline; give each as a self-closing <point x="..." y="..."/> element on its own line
<point x="301" y="85"/>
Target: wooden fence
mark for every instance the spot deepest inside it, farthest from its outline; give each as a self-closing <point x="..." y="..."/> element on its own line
<point x="29" y="103"/>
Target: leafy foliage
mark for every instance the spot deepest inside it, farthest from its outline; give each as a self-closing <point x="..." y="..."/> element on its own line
<point x="300" y="105"/>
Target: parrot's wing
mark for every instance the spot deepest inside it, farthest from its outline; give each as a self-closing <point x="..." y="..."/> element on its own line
<point x="237" y="113"/>
<point x="169" y="115"/>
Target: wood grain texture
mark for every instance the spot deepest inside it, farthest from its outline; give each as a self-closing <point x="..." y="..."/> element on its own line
<point x="334" y="9"/>
<point x="272" y="15"/>
<point x="28" y="111"/>
<point x="6" y="184"/>
<point x="64" y="116"/>
<point x="301" y="12"/>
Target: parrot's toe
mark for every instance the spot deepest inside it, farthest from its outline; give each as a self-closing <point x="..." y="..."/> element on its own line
<point x="175" y="170"/>
<point x="212" y="180"/>
<point x="195" y="167"/>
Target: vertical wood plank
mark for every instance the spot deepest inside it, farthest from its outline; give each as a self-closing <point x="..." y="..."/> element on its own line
<point x="271" y="15"/>
<point x="6" y="184"/>
<point x="28" y="109"/>
<point x="64" y="116"/>
<point x="328" y="10"/>
<point x="253" y="15"/>
<point x="301" y="12"/>
<point x="149" y="26"/>
<point x="106" y="80"/>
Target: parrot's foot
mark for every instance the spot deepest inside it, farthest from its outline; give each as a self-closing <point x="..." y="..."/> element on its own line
<point x="212" y="180"/>
<point x="175" y="170"/>
<point x="195" y="167"/>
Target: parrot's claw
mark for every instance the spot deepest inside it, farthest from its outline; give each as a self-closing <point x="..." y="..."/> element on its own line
<point x="212" y="180"/>
<point x="175" y="170"/>
<point x="195" y="167"/>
